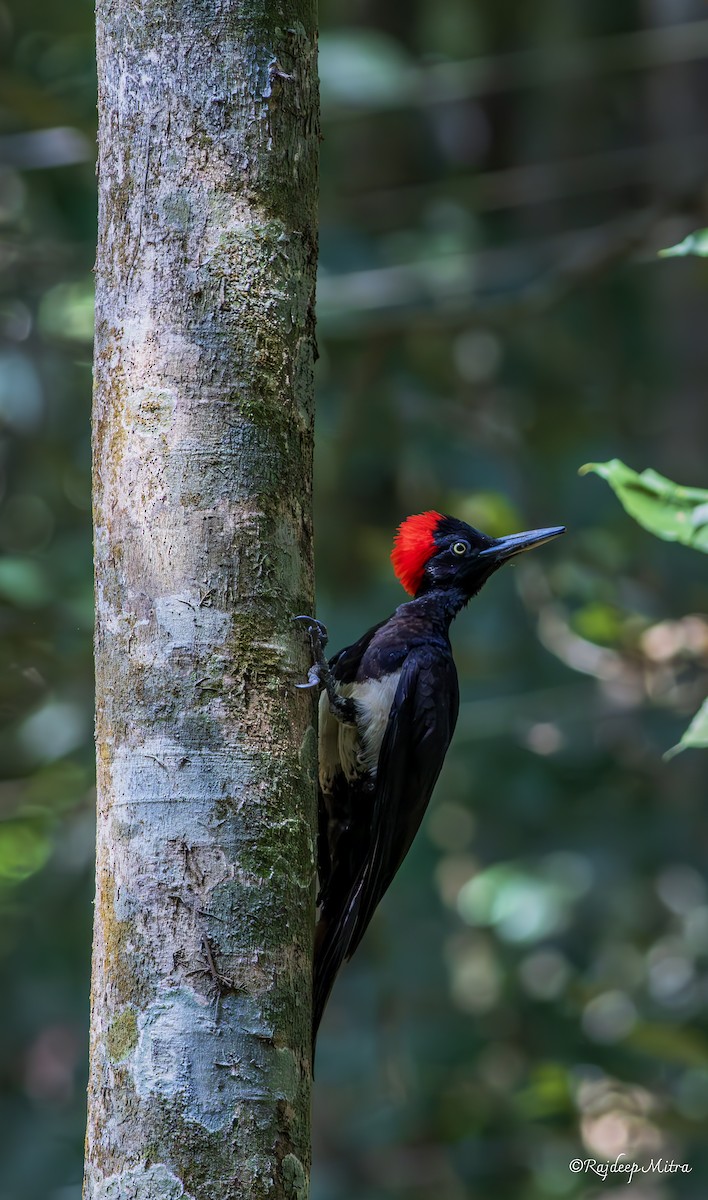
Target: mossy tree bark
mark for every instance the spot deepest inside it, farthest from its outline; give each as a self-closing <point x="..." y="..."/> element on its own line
<point x="203" y="409"/>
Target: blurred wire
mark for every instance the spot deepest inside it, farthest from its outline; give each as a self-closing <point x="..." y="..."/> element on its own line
<point x="446" y="82"/>
<point x="498" y="285"/>
<point x="541" y="183"/>
<point x="42" y="148"/>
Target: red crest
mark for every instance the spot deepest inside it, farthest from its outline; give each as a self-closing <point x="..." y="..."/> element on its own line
<point x="412" y="547"/>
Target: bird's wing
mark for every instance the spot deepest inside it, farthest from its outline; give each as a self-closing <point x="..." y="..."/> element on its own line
<point x="419" y="730"/>
<point x="345" y="663"/>
<point x="418" y="733"/>
<point x="335" y="798"/>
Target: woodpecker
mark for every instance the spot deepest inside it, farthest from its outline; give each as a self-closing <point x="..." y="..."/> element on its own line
<point x="388" y="708"/>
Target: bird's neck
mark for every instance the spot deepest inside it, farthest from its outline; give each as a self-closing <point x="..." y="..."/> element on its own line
<point x="439" y="607"/>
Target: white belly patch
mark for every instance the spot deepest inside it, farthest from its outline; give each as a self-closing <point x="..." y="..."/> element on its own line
<point x="355" y="751"/>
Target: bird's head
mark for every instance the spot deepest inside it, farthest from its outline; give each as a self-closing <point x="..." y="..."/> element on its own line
<point x="434" y="552"/>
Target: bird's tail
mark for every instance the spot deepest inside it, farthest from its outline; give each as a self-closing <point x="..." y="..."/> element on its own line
<point x="333" y="938"/>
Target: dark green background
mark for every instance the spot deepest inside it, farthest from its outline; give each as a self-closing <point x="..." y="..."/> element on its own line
<point x="492" y="315"/>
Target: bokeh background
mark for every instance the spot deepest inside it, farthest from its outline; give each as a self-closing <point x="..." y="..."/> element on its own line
<point x="496" y="180"/>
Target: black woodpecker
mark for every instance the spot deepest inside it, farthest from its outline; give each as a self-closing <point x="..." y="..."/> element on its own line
<point x="387" y="712"/>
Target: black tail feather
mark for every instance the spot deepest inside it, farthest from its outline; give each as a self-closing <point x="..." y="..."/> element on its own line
<point x="333" y="938"/>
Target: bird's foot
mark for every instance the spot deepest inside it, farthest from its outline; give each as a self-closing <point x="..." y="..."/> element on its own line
<point x="320" y="674"/>
<point x="318" y="637"/>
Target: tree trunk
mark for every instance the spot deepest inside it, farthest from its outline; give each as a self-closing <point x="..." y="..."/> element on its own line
<point x="203" y="410"/>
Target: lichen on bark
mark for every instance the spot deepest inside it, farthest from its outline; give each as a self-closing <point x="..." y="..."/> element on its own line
<point x="203" y="410"/>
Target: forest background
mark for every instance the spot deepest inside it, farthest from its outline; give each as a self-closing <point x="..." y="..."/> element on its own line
<point x="497" y="179"/>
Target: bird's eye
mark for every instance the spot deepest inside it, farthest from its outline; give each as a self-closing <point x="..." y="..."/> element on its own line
<point x="460" y="548"/>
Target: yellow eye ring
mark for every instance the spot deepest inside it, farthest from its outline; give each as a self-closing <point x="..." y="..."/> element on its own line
<point x="460" y="548"/>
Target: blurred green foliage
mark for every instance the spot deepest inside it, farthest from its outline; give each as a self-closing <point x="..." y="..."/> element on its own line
<point x="496" y="181"/>
<point x="676" y="514"/>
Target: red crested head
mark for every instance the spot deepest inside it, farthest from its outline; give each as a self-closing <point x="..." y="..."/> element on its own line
<point x="439" y="554"/>
<point x="413" y="545"/>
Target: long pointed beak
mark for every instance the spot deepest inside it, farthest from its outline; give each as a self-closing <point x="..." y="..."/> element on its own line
<point x="517" y="543"/>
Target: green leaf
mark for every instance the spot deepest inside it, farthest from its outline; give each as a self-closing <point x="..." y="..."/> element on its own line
<point x="24" y="847"/>
<point x="666" y="509"/>
<point x="66" y="311"/>
<point x="599" y="623"/>
<point x="695" y="243"/>
<point x="696" y="736"/>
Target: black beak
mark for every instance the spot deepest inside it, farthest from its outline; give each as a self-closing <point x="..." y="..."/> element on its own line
<point x="517" y="543"/>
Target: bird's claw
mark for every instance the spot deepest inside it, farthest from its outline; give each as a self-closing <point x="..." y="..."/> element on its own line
<point x="313" y="625"/>
<point x="313" y="679"/>
<point x="317" y="633"/>
<point x="320" y="673"/>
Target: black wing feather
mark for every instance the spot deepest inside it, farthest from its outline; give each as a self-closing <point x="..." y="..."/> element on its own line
<point x="346" y="662"/>
<point x="418" y="733"/>
<point x="344" y="665"/>
<point x="417" y="737"/>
